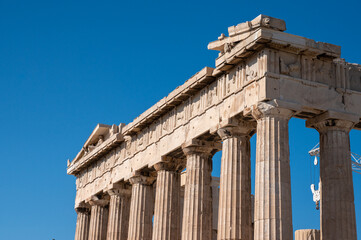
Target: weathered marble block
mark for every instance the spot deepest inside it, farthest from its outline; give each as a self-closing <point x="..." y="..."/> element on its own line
<point x="307" y="234"/>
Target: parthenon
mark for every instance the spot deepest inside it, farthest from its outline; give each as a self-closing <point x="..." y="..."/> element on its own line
<point x="151" y="179"/>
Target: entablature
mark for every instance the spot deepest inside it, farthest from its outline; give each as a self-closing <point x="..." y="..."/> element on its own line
<point x="233" y="51"/>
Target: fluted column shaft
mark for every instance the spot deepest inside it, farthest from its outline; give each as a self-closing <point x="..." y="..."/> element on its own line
<point x="273" y="204"/>
<point x="197" y="211"/>
<point x="181" y="203"/>
<point x="234" y="213"/>
<point x="119" y="208"/>
<point x="141" y="208"/>
<point x="215" y="206"/>
<point x="82" y="223"/>
<point x="167" y="200"/>
<point x="338" y="219"/>
<point x="98" y="220"/>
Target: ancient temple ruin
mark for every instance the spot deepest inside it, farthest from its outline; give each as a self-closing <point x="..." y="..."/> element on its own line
<point x="128" y="177"/>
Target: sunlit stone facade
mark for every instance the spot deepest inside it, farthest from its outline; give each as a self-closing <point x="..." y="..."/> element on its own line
<point x="129" y="179"/>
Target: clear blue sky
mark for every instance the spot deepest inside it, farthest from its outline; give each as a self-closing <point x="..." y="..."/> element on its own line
<point x="67" y="65"/>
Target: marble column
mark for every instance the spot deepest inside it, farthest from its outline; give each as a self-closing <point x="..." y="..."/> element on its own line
<point x="167" y="200"/>
<point x="338" y="219"/>
<point x="181" y="203"/>
<point x="215" y="206"/>
<point x="141" y="208"/>
<point x="234" y="215"/>
<point x="252" y="211"/>
<point x="197" y="211"/>
<point x="119" y="207"/>
<point x="307" y="234"/>
<point x="82" y="223"/>
<point x="273" y="204"/>
<point x="98" y="219"/>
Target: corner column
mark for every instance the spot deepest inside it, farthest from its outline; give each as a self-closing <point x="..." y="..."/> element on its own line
<point x="197" y="211"/>
<point x="82" y="223"/>
<point x="273" y="204"/>
<point x="338" y="220"/>
<point x="98" y="218"/>
<point x="167" y="202"/>
<point x="141" y="208"/>
<point x="119" y="208"/>
<point x="235" y="206"/>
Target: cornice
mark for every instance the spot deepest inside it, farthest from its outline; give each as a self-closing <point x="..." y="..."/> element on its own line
<point x="100" y="150"/>
<point x="264" y="37"/>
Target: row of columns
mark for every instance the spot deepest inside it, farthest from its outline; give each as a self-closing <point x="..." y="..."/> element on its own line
<point x="106" y="218"/>
<point x="273" y="204"/>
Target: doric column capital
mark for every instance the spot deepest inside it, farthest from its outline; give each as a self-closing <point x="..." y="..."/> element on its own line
<point x="170" y="164"/>
<point x="83" y="209"/>
<point x="270" y="109"/>
<point x="235" y="128"/>
<point x="196" y="146"/>
<point x="119" y="189"/>
<point x="332" y="120"/>
<point x="141" y="178"/>
<point x="83" y="206"/>
<point x="333" y="124"/>
<point x="97" y="201"/>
